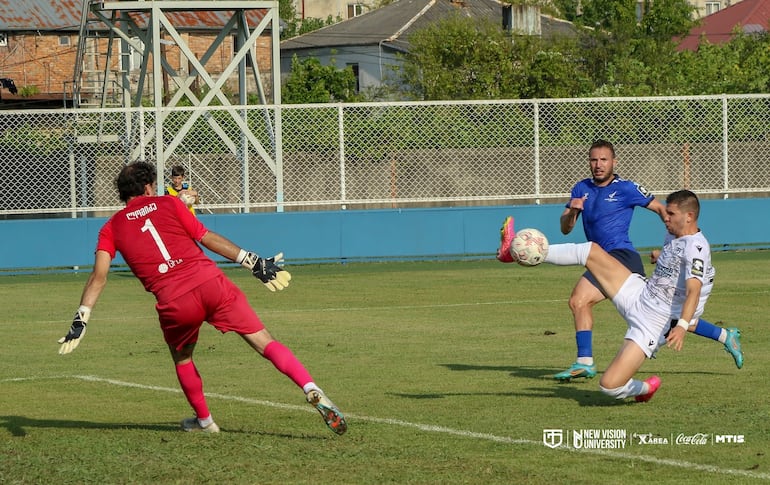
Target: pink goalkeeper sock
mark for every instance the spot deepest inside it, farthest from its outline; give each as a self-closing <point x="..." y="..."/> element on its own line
<point x="285" y="361"/>
<point x="192" y="386"/>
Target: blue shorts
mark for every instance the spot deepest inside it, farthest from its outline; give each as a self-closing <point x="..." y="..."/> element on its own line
<point x="628" y="257"/>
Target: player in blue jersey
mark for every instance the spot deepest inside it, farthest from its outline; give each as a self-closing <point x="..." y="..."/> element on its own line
<point x="606" y="202"/>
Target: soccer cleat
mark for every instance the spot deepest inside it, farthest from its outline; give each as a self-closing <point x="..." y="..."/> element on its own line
<point x="733" y="345"/>
<point x="577" y="370"/>
<point x="653" y="383"/>
<point x="506" y="236"/>
<point x="192" y="425"/>
<point x="332" y="416"/>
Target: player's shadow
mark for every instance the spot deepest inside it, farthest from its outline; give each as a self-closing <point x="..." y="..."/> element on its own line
<point x="540" y="373"/>
<point x="583" y="391"/>
<point x="576" y="391"/>
<point x="514" y="371"/>
<point x="583" y="396"/>
<point x="19" y="426"/>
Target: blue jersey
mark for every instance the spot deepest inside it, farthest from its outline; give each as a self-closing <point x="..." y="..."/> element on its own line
<point x="607" y="210"/>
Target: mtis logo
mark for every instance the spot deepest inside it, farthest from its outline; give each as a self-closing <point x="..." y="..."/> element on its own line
<point x="728" y="438"/>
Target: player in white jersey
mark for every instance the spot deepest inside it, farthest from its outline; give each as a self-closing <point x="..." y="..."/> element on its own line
<point x="663" y="297"/>
<point x="675" y="259"/>
<point x="678" y="289"/>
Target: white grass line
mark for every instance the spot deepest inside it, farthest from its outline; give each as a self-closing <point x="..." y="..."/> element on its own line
<point x="426" y="427"/>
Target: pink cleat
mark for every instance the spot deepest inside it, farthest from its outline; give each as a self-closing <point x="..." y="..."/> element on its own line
<point x="653" y="384"/>
<point x="506" y="236"/>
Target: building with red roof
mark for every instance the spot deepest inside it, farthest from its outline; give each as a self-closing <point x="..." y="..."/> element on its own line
<point x="749" y="16"/>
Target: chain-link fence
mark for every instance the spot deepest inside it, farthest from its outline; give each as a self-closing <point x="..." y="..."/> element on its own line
<point x="381" y="155"/>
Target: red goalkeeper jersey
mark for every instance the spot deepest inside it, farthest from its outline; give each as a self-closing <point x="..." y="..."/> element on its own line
<point x="157" y="237"/>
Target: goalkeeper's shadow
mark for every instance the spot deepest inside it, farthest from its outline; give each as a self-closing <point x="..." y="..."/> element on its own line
<point x="21" y="426"/>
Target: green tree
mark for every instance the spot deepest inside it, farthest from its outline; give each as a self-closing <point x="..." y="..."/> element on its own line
<point x="610" y="26"/>
<point x="460" y="58"/>
<point x="630" y="52"/>
<point x="551" y="69"/>
<point x="735" y="67"/>
<point x="465" y="58"/>
<point x="288" y="14"/>
<point x="312" y="82"/>
<point x="619" y="55"/>
<point x="293" y="26"/>
<point x="665" y="19"/>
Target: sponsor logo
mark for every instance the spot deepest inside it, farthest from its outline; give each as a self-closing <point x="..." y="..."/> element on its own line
<point x="649" y="439"/>
<point x="697" y="267"/>
<point x="553" y="438"/>
<point x="697" y="439"/>
<point x="729" y="438"/>
<point x="598" y="439"/>
<point x="604" y="439"/>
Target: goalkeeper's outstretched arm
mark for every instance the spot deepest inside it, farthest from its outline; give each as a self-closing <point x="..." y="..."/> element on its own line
<point x="266" y="270"/>
<point x="94" y="286"/>
<point x="221" y="245"/>
<point x="97" y="280"/>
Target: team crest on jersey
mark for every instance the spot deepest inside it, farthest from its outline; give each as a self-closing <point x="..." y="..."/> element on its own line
<point x="697" y="267"/>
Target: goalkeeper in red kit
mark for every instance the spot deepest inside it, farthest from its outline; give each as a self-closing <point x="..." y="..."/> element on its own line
<point x="158" y="238"/>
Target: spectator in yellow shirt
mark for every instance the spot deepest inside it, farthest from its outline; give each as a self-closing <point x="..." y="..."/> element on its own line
<point x="180" y="188"/>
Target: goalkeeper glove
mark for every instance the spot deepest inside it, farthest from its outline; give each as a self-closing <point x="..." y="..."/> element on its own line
<point x="265" y="270"/>
<point x="77" y="331"/>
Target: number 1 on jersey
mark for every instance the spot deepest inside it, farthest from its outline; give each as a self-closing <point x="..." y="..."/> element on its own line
<point x="148" y="226"/>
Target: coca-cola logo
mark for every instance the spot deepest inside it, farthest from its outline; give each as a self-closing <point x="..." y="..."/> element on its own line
<point x="695" y="439"/>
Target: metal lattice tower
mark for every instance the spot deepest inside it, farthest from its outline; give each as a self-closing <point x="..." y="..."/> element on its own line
<point x="149" y="28"/>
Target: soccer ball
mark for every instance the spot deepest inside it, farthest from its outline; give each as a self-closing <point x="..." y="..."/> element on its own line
<point x="529" y="247"/>
<point x="186" y="198"/>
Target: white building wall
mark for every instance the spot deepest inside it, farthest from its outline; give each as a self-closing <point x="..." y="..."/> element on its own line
<point x="321" y="9"/>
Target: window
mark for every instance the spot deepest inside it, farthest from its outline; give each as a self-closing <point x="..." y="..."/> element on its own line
<point x="3" y="39"/>
<point x="237" y="47"/>
<point x="712" y="7"/>
<point x="355" y="9"/>
<point x="136" y="57"/>
<point x="64" y="40"/>
<point x="354" y="68"/>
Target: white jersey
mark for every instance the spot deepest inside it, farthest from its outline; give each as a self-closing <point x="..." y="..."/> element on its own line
<point x="680" y="259"/>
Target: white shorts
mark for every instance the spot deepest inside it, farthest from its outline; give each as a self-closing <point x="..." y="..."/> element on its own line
<point x="645" y="327"/>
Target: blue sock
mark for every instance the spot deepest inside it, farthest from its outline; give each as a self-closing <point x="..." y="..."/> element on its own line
<point x="706" y="329"/>
<point x="584" y="347"/>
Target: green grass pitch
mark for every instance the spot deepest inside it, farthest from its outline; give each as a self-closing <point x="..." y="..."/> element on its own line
<point x="443" y="369"/>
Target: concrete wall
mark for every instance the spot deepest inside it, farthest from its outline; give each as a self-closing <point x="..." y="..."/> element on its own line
<point x="445" y="233"/>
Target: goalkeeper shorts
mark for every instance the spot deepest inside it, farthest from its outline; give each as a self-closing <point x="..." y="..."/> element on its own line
<point x="218" y="301"/>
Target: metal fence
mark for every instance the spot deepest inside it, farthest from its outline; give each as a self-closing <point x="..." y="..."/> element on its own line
<point x="381" y="155"/>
